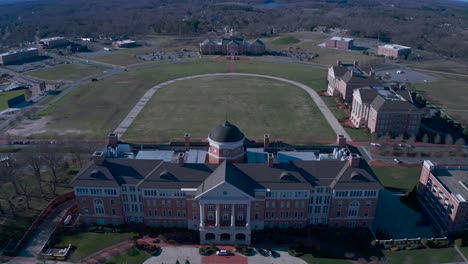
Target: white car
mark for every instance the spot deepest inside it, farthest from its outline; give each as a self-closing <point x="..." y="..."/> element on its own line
<point x="375" y="144"/>
<point x="222" y="252"/>
<point x="400" y="72"/>
<point x="397" y="160"/>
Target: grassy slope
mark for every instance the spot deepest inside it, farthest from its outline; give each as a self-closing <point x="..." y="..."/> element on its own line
<point x="68" y="72"/>
<point x="5" y="96"/>
<point x="398" y="177"/>
<point x="443" y="255"/>
<point x="93" y="110"/>
<point x="249" y="102"/>
<point x="138" y="259"/>
<point x="88" y="243"/>
<point x="285" y="40"/>
<point x="118" y="58"/>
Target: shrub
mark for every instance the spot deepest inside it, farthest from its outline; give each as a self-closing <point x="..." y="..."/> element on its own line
<point x="424" y="242"/>
<point x="133" y="252"/>
<point x="187" y="261"/>
<point x="459" y="242"/>
<point x="107" y="230"/>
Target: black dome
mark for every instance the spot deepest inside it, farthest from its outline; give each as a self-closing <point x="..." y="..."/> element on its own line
<point x="226" y="132"/>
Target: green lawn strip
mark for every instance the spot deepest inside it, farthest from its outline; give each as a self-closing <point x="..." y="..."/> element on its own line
<point x="249" y="102"/>
<point x="309" y="258"/>
<point x="5" y="96"/>
<point x="135" y="258"/>
<point x="68" y="72"/>
<point x="398" y="177"/>
<point x="358" y="134"/>
<point x="464" y="251"/>
<point x="429" y="255"/>
<point x="88" y="243"/>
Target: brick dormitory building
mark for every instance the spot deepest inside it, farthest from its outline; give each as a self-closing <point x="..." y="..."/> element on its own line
<point x="232" y="45"/>
<point x="227" y="188"/>
<point x="443" y="192"/>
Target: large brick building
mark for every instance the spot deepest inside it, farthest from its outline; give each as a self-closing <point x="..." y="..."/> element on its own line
<point x="344" y="78"/>
<point x="394" y="51"/>
<point x="339" y="43"/>
<point x="16" y="56"/>
<point x="385" y="111"/>
<point x="443" y="192"/>
<point x="226" y="190"/>
<point x="49" y="43"/>
<point x="232" y="45"/>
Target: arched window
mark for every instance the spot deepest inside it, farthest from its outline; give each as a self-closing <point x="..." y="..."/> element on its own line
<point x="353" y="209"/>
<point x="98" y="207"/>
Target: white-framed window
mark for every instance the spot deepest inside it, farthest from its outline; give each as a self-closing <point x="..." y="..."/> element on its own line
<point x="98" y="207"/>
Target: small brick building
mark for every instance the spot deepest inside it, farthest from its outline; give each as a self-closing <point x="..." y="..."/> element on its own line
<point x="394" y="51"/>
<point x="339" y="43"/>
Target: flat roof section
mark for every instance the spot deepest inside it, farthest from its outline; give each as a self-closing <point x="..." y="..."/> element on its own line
<point x="395" y="46"/>
<point x="455" y="181"/>
<point x="17" y="51"/>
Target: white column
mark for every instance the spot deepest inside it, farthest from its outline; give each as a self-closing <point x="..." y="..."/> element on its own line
<point x="202" y="215"/>
<point x="217" y="215"/>
<point x="232" y="216"/>
<point x="248" y="216"/>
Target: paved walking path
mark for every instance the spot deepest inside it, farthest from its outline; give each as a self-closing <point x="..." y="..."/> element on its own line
<point x="45" y="230"/>
<point x="461" y="254"/>
<point x="335" y="125"/>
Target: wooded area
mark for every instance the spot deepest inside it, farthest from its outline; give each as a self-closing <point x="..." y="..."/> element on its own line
<point x="438" y="26"/>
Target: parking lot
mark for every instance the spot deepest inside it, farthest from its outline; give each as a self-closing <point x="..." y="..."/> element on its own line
<point x="403" y="75"/>
<point x="170" y="255"/>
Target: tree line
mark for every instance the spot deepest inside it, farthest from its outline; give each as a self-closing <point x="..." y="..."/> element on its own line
<point x="429" y="25"/>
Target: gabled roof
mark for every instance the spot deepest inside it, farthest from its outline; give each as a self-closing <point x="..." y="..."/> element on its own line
<point x="380" y="104"/>
<point x="208" y="41"/>
<point x="339" y="70"/>
<point x="367" y="94"/>
<point x="360" y="81"/>
<point x="114" y="172"/>
<point x="228" y="172"/>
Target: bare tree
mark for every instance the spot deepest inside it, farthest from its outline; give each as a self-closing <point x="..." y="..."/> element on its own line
<point x="34" y="162"/>
<point x="9" y="171"/>
<point x="27" y="192"/>
<point x="53" y="161"/>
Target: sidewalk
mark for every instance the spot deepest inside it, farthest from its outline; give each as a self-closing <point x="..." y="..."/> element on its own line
<point x="31" y="249"/>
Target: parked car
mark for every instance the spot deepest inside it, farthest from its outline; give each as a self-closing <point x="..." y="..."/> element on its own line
<point x="397" y="160"/>
<point x="263" y="252"/>
<point x="375" y="144"/>
<point x="222" y="252"/>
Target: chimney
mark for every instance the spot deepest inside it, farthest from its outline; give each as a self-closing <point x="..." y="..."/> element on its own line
<point x="354" y="160"/>
<point x="355" y="63"/>
<point x="187" y="141"/>
<point x="351" y="73"/>
<point x="270" y="159"/>
<point x="113" y="140"/>
<point x="181" y="159"/>
<point x="266" y="141"/>
<point x="371" y="74"/>
<point x="98" y="157"/>
<point x="338" y="63"/>
<point x="341" y="141"/>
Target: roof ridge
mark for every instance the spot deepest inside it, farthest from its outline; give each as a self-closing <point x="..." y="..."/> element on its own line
<point x="151" y="172"/>
<point x="339" y="175"/>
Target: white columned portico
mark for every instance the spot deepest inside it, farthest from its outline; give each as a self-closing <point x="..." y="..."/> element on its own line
<point x="232" y="216"/>
<point x="248" y="216"/>
<point x="202" y="215"/>
<point x="217" y="215"/>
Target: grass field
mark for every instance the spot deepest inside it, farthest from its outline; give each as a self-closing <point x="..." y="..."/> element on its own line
<point x="285" y="40"/>
<point x="92" y="112"/>
<point x="88" y="243"/>
<point x="398" y="177"/>
<point x="118" y="58"/>
<point x="429" y="255"/>
<point x="5" y="96"/>
<point x="256" y="105"/>
<point x="450" y="93"/>
<point x="67" y="72"/>
<point x="309" y="258"/>
<point x="127" y="258"/>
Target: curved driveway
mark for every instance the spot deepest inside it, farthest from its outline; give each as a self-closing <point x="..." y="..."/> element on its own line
<point x="335" y="125"/>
